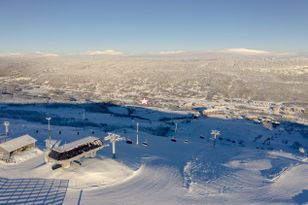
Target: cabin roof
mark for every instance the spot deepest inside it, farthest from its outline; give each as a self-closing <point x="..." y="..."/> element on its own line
<point x="74" y="144"/>
<point x="17" y="143"/>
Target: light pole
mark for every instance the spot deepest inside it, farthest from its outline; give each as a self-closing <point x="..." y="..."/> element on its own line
<point x="137" y="137"/>
<point x="173" y="139"/>
<point x="6" y="125"/>
<point x="215" y="133"/>
<point x="49" y="127"/>
<point x="176" y="128"/>
<point x="84" y="115"/>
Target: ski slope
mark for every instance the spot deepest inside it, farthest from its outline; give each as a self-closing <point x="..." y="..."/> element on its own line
<point x="241" y="169"/>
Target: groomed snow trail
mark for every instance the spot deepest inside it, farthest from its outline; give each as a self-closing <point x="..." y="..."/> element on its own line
<point x="154" y="183"/>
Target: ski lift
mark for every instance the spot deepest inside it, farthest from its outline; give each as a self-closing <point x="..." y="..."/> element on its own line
<point x="201" y="137"/>
<point x="145" y="143"/>
<point x="173" y="139"/>
<point x="129" y="141"/>
<point x="186" y="141"/>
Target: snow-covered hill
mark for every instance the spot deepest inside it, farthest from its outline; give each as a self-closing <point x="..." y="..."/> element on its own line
<point x="249" y="165"/>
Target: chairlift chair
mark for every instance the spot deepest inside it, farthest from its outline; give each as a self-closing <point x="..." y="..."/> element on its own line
<point x="173" y="139"/>
<point x="145" y="143"/>
<point x="77" y="162"/>
<point x="129" y="141"/>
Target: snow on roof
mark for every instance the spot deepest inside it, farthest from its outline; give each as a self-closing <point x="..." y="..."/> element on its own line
<point x="17" y="143"/>
<point x="74" y="144"/>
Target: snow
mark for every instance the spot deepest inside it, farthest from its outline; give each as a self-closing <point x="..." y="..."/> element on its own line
<point x="172" y="83"/>
<point x="166" y="172"/>
<point x="91" y="174"/>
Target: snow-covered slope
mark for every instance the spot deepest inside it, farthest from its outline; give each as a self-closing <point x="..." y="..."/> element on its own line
<point x="243" y="168"/>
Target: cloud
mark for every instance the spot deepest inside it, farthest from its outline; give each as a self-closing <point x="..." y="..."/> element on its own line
<point x="171" y="52"/>
<point x="39" y="53"/>
<point x="10" y="54"/>
<point x="104" y="52"/>
<point x="246" y="51"/>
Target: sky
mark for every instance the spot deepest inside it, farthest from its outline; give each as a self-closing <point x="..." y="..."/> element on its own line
<point x="145" y="26"/>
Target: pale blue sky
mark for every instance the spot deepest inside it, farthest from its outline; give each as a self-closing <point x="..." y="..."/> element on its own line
<point x="137" y="26"/>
